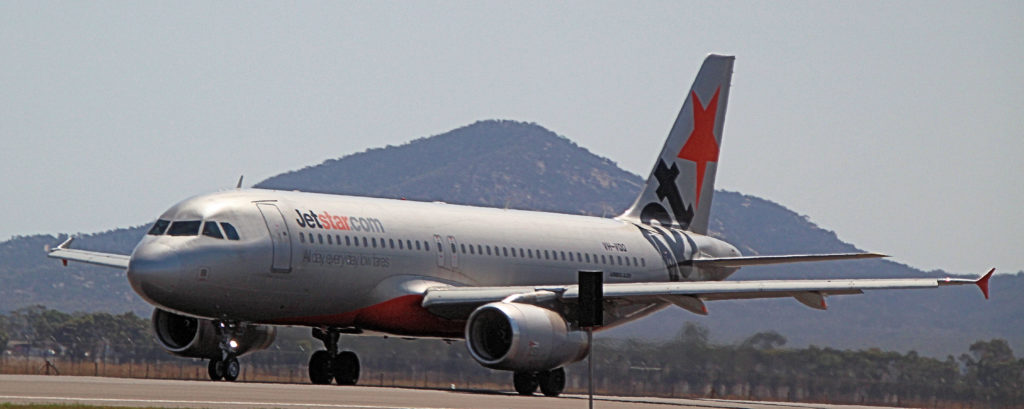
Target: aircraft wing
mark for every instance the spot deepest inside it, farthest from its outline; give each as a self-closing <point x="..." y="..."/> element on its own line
<point x="64" y="253"/>
<point x="455" y="301"/>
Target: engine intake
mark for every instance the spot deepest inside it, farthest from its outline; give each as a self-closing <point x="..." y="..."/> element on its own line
<point x="197" y="338"/>
<point x="522" y="337"/>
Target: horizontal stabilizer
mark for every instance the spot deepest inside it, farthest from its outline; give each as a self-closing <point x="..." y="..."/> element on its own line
<point x="783" y="259"/>
<point x="691" y="304"/>
<point x="64" y="253"/>
<point x="813" y="299"/>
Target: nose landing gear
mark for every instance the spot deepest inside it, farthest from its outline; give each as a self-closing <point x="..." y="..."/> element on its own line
<point x="226" y="367"/>
<point x="329" y="364"/>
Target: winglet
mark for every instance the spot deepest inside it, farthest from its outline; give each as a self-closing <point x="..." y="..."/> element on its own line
<point x="982" y="282"/>
<point x="65" y="244"/>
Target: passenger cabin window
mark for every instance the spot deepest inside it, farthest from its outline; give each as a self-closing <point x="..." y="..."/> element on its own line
<point x="210" y="229"/>
<point x="184" y="228"/>
<point x="159" y="227"/>
<point x="229" y="231"/>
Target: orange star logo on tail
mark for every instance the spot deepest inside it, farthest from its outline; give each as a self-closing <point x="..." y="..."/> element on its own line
<point x="701" y="147"/>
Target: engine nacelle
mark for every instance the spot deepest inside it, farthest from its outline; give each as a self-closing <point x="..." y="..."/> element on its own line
<point x="523" y="337"/>
<point x="197" y="338"/>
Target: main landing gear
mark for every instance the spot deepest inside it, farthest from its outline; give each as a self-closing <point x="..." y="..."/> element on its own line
<point x="226" y="367"/>
<point x="551" y="382"/>
<point x="329" y="364"/>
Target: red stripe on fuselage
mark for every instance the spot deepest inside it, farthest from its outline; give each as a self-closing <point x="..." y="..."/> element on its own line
<point x="401" y="316"/>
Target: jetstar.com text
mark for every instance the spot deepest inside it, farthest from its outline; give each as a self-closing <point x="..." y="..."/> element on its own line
<point x="327" y="221"/>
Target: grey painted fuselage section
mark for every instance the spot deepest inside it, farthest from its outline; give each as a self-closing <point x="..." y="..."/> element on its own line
<point x="316" y="259"/>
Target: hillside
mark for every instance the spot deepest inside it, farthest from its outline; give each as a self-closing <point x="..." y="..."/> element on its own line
<point x="491" y="163"/>
<point x="517" y="165"/>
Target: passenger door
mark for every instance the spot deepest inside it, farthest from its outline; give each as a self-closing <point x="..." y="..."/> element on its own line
<point x="282" y="243"/>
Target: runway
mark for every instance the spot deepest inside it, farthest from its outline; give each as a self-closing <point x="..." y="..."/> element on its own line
<point x="234" y="395"/>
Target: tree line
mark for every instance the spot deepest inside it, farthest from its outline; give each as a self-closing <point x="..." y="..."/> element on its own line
<point x="760" y="367"/>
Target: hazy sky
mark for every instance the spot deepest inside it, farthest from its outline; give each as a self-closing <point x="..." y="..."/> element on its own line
<point x="898" y="125"/>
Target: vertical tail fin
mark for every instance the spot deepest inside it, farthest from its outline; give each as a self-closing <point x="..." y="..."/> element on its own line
<point x="679" y="189"/>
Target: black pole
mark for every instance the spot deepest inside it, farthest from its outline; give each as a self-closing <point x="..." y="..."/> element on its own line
<point x="590" y="314"/>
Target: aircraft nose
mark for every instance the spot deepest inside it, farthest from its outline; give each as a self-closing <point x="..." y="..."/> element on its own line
<point x="154" y="271"/>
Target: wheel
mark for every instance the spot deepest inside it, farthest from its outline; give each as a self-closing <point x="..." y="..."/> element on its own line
<point x="320" y="368"/>
<point x="215" y="369"/>
<point x="231" y="369"/>
<point x="552" y="382"/>
<point x="525" y="382"/>
<point x="346" y="368"/>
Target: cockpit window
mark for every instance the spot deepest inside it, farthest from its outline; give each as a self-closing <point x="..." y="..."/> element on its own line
<point x="184" y="228"/>
<point x="159" y="227"/>
<point x="229" y="231"/>
<point x="210" y="229"/>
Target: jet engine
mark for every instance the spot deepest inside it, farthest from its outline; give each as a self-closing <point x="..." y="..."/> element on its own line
<point x="522" y="337"/>
<point x="197" y="338"/>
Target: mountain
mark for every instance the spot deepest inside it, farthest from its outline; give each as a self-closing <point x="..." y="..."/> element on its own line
<point x="492" y="163"/>
<point x="519" y="165"/>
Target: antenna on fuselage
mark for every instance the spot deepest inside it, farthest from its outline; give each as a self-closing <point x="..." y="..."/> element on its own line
<point x="239" y="185"/>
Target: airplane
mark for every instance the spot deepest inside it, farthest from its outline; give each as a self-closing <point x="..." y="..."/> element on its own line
<point x="223" y="269"/>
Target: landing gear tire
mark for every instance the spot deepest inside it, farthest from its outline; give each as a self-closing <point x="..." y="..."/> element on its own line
<point x="346" y="368"/>
<point x="320" y="368"/>
<point x="215" y="369"/>
<point x="525" y="382"/>
<point x="552" y="382"/>
<point x="231" y="369"/>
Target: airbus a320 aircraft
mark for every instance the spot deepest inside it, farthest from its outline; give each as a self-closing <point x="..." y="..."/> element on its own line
<point x="223" y="269"/>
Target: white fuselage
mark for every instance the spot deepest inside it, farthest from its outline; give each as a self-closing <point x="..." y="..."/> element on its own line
<point x="344" y="261"/>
